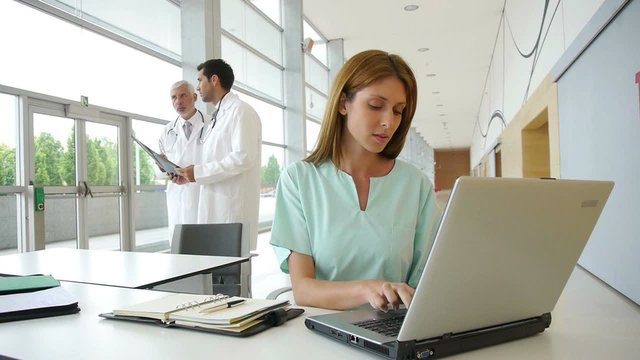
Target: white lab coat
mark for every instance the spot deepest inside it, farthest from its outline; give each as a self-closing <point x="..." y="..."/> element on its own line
<point x="229" y="174"/>
<point x="182" y="200"/>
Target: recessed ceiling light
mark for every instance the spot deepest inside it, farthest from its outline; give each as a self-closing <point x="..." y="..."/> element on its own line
<point x="431" y="75"/>
<point x="411" y="7"/>
<point x="439" y="105"/>
<point x="435" y="92"/>
<point x="443" y="114"/>
<point x="423" y="49"/>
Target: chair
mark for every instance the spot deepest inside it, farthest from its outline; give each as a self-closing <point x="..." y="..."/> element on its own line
<point x="277" y="292"/>
<point x="217" y="240"/>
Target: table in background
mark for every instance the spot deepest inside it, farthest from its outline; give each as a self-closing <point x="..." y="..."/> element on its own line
<point x="115" y="268"/>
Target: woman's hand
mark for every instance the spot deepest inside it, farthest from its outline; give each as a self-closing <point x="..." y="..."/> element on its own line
<point x="380" y="294"/>
<point x="342" y="295"/>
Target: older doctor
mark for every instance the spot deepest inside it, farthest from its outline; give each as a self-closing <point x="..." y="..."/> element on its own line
<point x="229" y="174"/>
<point x="179" y="143"/>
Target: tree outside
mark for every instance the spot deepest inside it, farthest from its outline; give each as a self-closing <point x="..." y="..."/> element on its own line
<point x="50" y="162"/>
<point x="270" y="173"/>
<point x="56" y="166"/>
<point x="7" y="165"/>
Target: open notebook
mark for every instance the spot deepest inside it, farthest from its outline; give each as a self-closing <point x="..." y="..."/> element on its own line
<point x="214" y="313"/>
<point x="502" y="255"/>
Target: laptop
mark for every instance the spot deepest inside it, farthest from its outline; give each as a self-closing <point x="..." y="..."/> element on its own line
<point x="503" y="252"/>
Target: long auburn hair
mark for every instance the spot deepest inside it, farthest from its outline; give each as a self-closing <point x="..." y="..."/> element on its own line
<point x="360" y="71"/>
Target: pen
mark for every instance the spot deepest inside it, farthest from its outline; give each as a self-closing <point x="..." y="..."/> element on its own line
<point x="222" y="306"/>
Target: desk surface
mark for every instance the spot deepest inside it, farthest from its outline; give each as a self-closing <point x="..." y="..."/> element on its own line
<point x="114" y="268"/>
<point x="590" y="322"/>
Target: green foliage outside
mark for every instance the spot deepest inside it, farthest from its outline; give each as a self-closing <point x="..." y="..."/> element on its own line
<point x="56" y="166"/>
<point x="7" y="165"/>
<point x="147" y="168"/>
<point x="270" y="172"/>
<point x="50" y="156"/>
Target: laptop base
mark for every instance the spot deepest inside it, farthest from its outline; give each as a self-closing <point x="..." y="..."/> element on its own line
<point x="445" y="345"/>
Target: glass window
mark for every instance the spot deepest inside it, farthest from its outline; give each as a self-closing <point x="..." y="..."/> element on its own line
<point x="271" y="117"/>
<point x="313" y="130"/>
<point x="104" y="230"/>
<point x="271" y="8"/>
<point x="315" y="103"/>
<point x="319" y="50"/>
<point x="8" y="201"/>
<point x="123" y="18"/>
<point x="8" y="117"/>
<point x="272" y="165"/>
<point x="108" y="73"/>
<point x="152" y="231"/>
<point x="102" y="154"/>
<point x="316" y="75"/>
<point x="145" y="170"/>
<point x="246" y="24"/>
<point x="8" y="223"/>
<point x="55" y="156"/>
<point x="60" y="222"/>
<point x="251" y="70"/>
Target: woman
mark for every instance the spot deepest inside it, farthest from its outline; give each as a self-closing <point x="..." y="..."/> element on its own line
<point x="353" y="225"/>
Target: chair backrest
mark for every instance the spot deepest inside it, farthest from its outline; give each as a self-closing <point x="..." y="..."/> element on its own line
<point x="215" y="240"/>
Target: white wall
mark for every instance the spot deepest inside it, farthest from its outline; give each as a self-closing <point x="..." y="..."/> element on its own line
<point x="599" y="114"/>
<point x="509" y="73"/>
<point x="599" y="125"/>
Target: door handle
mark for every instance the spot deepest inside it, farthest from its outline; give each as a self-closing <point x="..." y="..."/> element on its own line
<point x="87" y="190"/>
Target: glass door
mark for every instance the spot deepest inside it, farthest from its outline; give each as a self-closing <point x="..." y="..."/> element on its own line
<point x="54" y="167"/>
<point x="10" y="191"/>
<point x="148" y="191"/>
<point x="78" y="162"/>
<point x="102" y="198"/>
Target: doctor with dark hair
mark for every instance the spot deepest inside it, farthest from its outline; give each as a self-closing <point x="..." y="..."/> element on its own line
<point x="229" y="174"/>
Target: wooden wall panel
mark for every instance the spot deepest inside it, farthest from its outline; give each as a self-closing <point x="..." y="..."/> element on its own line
<point x="449" y="164"/>
<point x="529" y="121"/>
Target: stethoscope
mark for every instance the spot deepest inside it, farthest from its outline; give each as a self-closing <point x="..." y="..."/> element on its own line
<point x="214" y="120"/>
<point x="172" y="130"/>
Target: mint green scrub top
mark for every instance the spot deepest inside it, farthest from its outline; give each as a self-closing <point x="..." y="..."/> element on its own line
<point x="318" y="214"/>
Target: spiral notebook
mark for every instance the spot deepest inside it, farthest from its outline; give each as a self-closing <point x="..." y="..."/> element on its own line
<point x="166" y="307"/>
<point x="229" y="315"/>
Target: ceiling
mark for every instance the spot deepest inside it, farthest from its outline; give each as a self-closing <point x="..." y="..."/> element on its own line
<point x="459" y="35"/>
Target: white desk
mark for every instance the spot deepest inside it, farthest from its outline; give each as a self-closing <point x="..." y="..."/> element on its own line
<point x="590" y="322"/>
<point x="115" y="268"/>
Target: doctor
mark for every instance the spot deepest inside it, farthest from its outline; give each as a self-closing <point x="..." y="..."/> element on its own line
<point x="179" y="143"/>
<point x="229" y="173"/>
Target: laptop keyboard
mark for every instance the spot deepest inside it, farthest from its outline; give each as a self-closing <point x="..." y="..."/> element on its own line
<point x="388" y="327"/>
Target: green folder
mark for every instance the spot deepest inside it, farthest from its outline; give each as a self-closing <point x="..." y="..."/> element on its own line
<point x="29" y="283"/>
